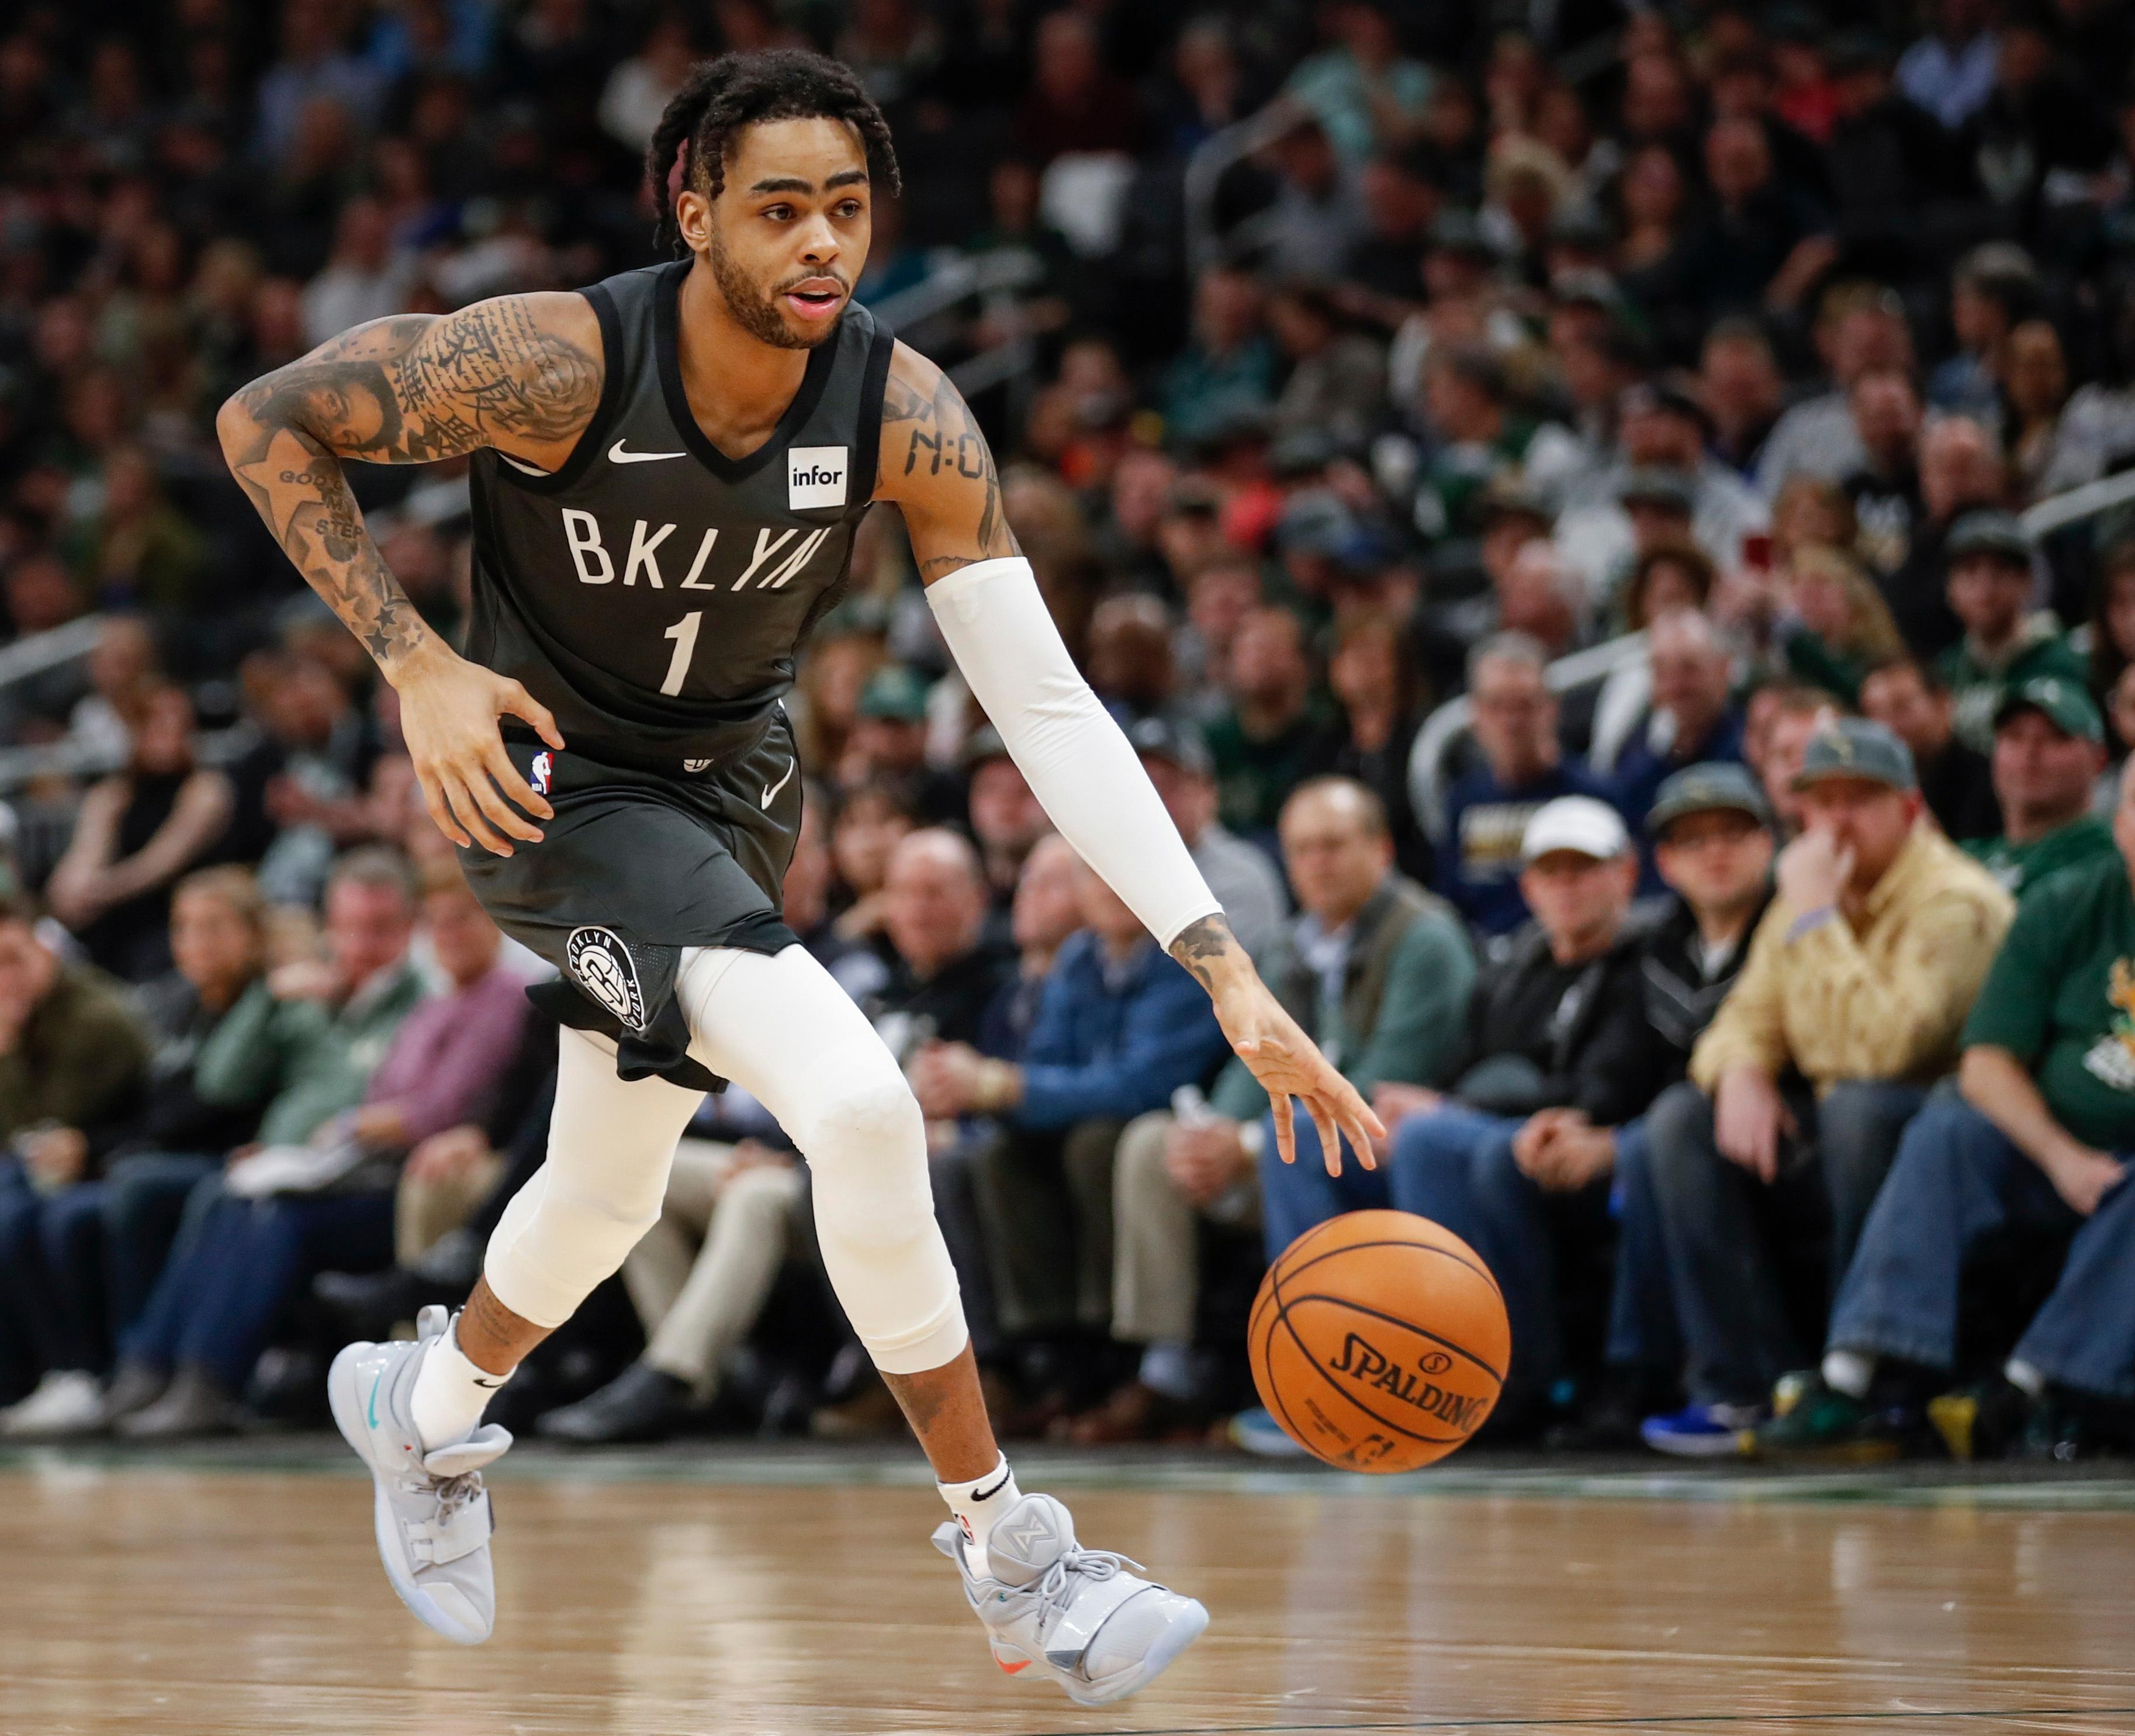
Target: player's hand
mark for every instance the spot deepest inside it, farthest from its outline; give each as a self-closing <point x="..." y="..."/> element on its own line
<point x="1288" y="1064"/>
<point x="449" y="712"/>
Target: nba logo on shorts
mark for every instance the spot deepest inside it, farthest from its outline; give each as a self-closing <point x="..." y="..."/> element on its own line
<point x="602" y="965"/>
<point x="543" y="764"/>
<point x="815" y="476"/>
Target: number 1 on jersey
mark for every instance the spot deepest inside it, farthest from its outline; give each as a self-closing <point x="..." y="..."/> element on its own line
<point x="684" y="634"/>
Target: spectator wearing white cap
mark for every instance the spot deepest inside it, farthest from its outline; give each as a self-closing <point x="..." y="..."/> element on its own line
<point x="1856" y="985"/>
<point x="1557" y="1024"/>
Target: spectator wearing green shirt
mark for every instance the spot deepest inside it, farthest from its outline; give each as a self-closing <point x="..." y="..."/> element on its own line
<point x="2035" y="1136"/>
<point x="2004" y="644"/>
<point x="1270" y="736"/>
<point x="2048" y="749"/>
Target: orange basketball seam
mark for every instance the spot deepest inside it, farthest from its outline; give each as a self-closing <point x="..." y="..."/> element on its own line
<point x="1474" y="1266"/>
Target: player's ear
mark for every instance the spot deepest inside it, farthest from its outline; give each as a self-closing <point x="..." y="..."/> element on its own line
<point x="693" y="218"/>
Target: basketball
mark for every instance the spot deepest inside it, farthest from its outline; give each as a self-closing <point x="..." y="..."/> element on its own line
<point x="1379" y="1341"/>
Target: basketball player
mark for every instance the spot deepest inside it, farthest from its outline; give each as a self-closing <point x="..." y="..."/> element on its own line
<point x="667" y="472"/>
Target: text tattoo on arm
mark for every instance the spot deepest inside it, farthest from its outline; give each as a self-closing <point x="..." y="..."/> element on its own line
<point x="408" y="389"/>
<point x="939" y="432"/>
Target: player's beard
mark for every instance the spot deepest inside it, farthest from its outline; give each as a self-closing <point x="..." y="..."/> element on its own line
<point x="756" y="312"/>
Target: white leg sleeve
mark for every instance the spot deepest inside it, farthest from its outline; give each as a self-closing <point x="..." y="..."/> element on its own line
<point x="610" y="1144"/>
<point x="783" y="1028"/>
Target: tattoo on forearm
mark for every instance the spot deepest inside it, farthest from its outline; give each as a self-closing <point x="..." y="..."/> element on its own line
<point x="405" y="390"/>
<point x="1200" y="945"/>
<point x="939" y="432"/>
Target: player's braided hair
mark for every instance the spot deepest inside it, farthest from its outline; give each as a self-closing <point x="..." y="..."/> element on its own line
<point x="721" y="96"/>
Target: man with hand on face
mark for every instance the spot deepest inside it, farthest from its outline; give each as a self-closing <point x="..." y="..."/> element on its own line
<point x="2048" y="749"/>
<point x="1857" y="982"/>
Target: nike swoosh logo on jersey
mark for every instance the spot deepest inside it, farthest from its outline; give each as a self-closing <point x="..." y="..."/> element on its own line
<point x="780" y="785"/>
<point x="617" y="455"/>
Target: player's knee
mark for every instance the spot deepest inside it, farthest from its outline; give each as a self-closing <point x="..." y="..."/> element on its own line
<point x="866" y="1144"/>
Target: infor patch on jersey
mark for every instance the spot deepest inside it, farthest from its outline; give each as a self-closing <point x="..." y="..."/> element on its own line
<point x="815" y="476"/>
<point x="603" y="967"/>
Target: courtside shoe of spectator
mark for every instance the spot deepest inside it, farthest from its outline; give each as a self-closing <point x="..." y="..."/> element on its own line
<point x="1819" y="1421"/>
<point x="1703" y="1431"/>
<point x="1075" y="1615"/>
<point x="1255" y="1431"/>
<point x="432" y="1513"/>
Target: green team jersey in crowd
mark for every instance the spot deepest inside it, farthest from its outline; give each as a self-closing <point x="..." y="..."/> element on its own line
<point x="2061" y="998"/>
<point x="2020" y="867"/>
<point x="2041" y="649"/>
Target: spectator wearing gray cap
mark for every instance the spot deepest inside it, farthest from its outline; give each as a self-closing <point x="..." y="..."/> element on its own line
<point x="1555" y="1045"/>
<point x="1241" y="875"/>
<point x="2049" y="749"/>
<point x="2005" y="643"/>
<point x="1858" y="981"/>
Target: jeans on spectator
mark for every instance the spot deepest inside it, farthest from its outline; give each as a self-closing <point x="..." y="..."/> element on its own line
<point x="1644" y="1340"/>
<point x="219" y="1298"/>
<point x="52" y="1308"/>
<point x="1454" y="1166"/>
<point x="1719" y="1220"/>
<point x="144" y="1202"/>
<point x="1045" y="1203"/>
<point x="1959" y="1178"/>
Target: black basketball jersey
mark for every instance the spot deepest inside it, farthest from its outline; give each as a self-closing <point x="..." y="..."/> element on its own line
<point x="652" y="591"/>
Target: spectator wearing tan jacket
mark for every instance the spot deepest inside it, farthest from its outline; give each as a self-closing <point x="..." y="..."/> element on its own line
<point x="1848" y="1009"/>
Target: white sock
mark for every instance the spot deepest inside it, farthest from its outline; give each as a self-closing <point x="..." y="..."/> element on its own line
<point x="450" y="1393"/>
<point x="2025" y="1378"/>
<point x="977" y="1504"/>
<point x="1850" y="1372"/>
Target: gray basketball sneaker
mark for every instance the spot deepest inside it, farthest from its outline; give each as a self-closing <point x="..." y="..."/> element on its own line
<point x="432" y="1512"/>
<point x="1075" y="1615"/>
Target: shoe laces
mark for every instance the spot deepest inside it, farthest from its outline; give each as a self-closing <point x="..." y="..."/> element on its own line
<point x="453" y="1493"/>
<point x="1051" y="1589"/>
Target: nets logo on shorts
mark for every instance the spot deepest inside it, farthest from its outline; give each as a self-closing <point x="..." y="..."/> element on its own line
<point x="602" y="965"/>
<point x="815" y="477"/>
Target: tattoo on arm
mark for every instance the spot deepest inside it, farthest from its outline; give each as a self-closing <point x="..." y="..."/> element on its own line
<point x="403" y="390"/>
<point x="925" y="433"/>
<point x="1201" y="945"/>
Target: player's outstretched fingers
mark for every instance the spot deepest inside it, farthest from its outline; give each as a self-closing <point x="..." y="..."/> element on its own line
<point x="1285" y="1132"/>
<point x="1330" y="1135"/>
<point x="498" y="763"/>
<point x="441" y="813"/>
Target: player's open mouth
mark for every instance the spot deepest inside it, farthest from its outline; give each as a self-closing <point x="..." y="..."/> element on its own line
<point x="817" y="298"/>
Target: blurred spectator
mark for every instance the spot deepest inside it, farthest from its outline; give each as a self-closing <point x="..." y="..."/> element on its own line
<point x="1885" y="490"/>
<point x="1004" y="817"/>
<point x="1835" y="627"/>
<point x="867" y="825"/>
<point x="2030" y="1138"/>
<point x="135" y="549"/>
<point x="1861" y="331"/>
<point x="73" y="1063"/>
<point x="1858" y="980"/>
<point x="365" y="277"/>
<point x="1692" y="719"/>
<point x="1318" y="214"/>
<point x="2005" y="643"/>
<point x="2049" y="749"/>
<point x="1270" y="734"/>
<point x="1373" y="677"/>
<point x="1240" y="874"/>
<point x="1338" y="377"/>
<point x="1074" y="104"/>
<point x="1379" y="971"/>
<point x="1120" y="1026"/>
<point x="1956" y="782"/>
<point x="1555" y="1024"/>
<point x="1488" y="808"/>
<point x="1227" y="373"/>
<point x="138" y="832"/>
<point x="1743" y="391"/>
<point x="887" y="746"/>
<point x="1364" y="91"/>
<point x="311" y="1196"/>
<point x="1949" y="71"/>
<point x="1961" y="471"/>
<point x="1993" y="287"/>
<point x="1129" y="660"/>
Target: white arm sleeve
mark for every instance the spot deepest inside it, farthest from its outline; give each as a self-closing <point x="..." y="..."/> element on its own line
<point x="1079" y="764"/>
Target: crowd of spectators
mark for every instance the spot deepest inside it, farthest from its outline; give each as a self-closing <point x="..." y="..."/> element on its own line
<point x="1755" y="992"/>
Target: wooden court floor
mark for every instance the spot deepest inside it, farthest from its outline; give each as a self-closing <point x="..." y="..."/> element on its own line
<point x="165" y="1599"/>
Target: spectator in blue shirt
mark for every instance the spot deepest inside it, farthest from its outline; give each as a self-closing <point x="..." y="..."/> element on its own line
<point x="1488" y="808"/>
<point x="1120" y="1027"/>
<point x="1692" y="719"/>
